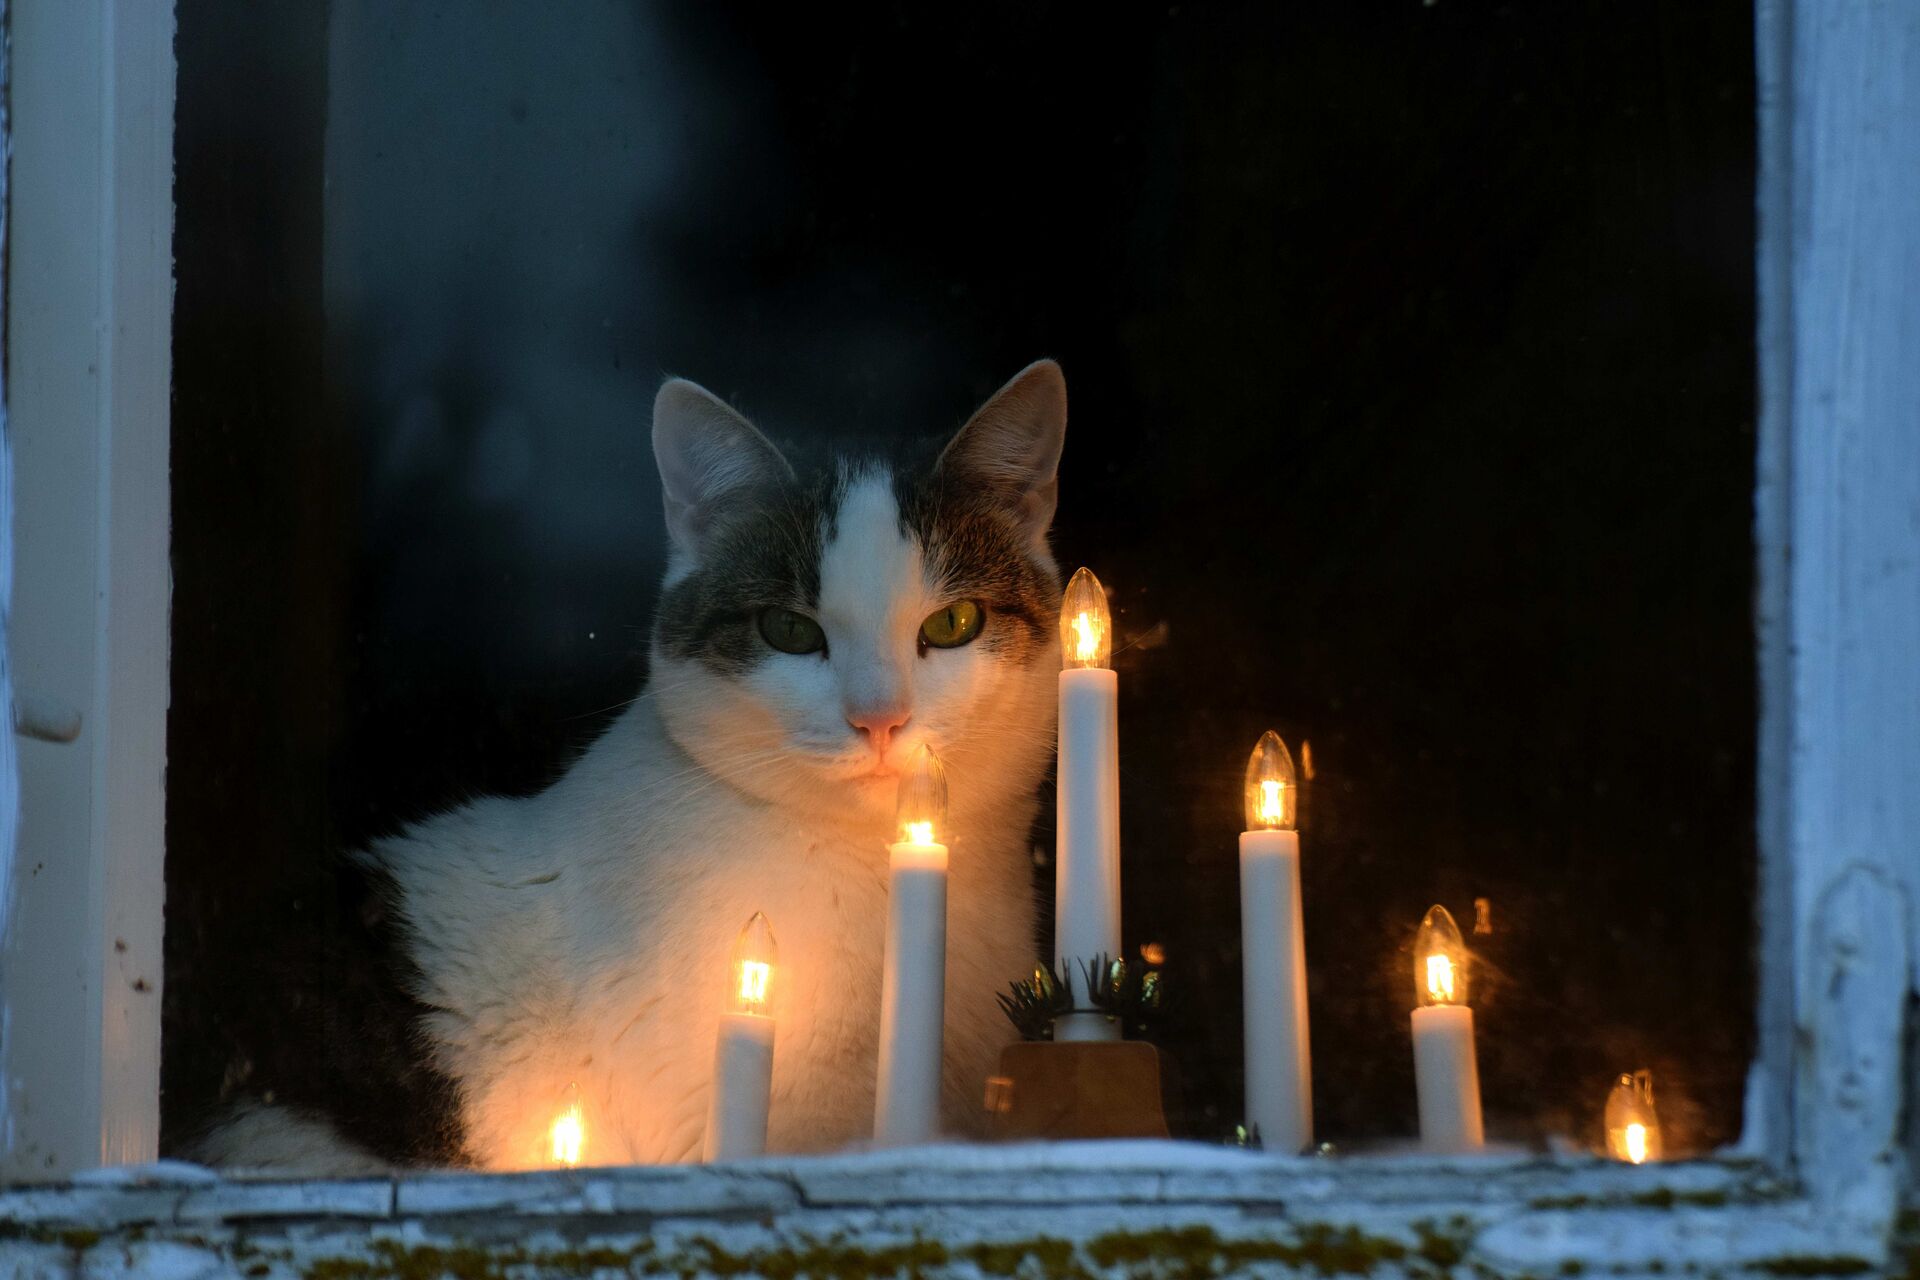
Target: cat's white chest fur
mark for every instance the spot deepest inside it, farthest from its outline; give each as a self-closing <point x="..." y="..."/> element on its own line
<point x="576" y="947"/>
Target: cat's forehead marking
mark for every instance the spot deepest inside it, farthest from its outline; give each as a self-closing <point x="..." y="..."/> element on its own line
<point x="868" y="564"/>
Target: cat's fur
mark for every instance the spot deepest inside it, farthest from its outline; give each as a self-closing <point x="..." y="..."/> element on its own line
<point x="578" y="940"/>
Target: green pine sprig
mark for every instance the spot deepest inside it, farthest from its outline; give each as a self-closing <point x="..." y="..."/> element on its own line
<point x="1032" y="1005"/>
<point x="1134" y="994"/>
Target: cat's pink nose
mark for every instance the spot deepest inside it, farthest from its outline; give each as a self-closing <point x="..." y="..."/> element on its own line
<point x="878" y="725"/>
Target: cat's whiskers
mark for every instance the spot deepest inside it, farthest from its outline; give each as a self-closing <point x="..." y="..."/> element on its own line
<point x="699" y="769"/>
<point x="621" y="705"/>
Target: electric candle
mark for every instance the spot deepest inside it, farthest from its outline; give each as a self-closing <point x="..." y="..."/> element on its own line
<point x="1273" y="955"/>
<point x="567" y="1136"/>
<point x="1087" y="869"/>
<point x="743" y="1050"/>
<point x="906" y="1105"/>
<point x="1633" y="1127"/>
<point x="1445" y="1069"/>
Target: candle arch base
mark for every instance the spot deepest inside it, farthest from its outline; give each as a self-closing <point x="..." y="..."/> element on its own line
<point x="1061" y="1089"/>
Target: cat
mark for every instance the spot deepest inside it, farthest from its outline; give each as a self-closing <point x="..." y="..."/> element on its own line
<point x="572" y="947"/>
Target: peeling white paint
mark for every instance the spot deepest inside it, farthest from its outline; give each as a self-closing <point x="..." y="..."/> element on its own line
<point x="1504" y="1216"/>
<point x="1838" y="531"/>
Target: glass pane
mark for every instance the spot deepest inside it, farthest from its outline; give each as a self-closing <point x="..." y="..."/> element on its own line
<point x="1410" y="363"/>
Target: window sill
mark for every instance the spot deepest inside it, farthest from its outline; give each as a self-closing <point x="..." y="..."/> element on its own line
<point x="1075" y="1208"/>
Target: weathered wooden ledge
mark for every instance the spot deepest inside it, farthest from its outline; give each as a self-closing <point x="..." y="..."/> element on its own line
<point x="1044" y="1211"/>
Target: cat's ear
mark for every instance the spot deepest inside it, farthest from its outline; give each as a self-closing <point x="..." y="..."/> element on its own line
<point x="1011" y="445"/>
<point x="707" y="453"/>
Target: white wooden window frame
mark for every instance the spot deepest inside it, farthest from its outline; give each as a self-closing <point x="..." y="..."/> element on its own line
<point x="1818" y="1174"/>
<point x="89" y="302"/>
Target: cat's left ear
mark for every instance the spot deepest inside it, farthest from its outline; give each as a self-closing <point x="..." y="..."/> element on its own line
<point x="1011" y="445"/>
<point x="709" y="456"/>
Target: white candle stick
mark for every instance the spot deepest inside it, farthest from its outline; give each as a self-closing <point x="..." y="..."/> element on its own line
<point x="743" y="1051"/>
<point x="906" y="1106"/>
<point x="1087" y="868"/>
<point x="1446" y="1071"/>
<point x="1273" y="956"/>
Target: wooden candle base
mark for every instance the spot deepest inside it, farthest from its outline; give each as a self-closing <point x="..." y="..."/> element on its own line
<point x="1086" y="1089"/>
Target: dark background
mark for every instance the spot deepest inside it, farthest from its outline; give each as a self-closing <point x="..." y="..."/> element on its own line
<point x="1410" y="353"/>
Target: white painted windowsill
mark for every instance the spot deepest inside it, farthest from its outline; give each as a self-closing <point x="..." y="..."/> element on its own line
<point x="1105" y="1207"/>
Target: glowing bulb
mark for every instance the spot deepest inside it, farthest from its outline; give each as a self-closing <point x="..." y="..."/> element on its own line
<point x="1439" y="960"/>
<point x="1086" y="629"/>
<point x="1273" y="800"/>
<point x="754" y="958"/>
<point x="567" y="1137"/>
<point x="1633" y="1127"/>
<point x="921" y="811"/>
<point x="754" y="975"/>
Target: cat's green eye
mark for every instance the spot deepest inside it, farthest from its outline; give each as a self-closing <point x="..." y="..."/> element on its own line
<point x="954" y="625"/>
<point x="791" y="632"/>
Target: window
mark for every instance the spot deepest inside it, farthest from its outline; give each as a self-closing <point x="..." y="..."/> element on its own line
<point x="1387" y="703"/>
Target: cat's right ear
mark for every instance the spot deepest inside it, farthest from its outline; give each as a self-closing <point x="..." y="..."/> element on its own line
<point x="707" y="454"/>
<point x="1011" y="446"/>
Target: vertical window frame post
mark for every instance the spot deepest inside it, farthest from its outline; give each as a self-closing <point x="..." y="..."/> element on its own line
<point x="89" y="306"/>
<point x="1837" y="527"/>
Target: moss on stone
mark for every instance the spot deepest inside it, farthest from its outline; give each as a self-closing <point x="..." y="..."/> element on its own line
<point x="1185" y="1253"/>
<point x="817" y="1258"/>
<point x="1442" y="1248"/>
<point x="1052" y="1259"/>
<point x="1809" y="1264"/>
<point x="1190" y="1253"/>
<point x="391" y="1260"/>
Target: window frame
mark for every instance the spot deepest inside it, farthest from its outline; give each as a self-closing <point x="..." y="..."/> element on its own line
<point x="89" y="309"/>
<point x="1819" y="1169"/>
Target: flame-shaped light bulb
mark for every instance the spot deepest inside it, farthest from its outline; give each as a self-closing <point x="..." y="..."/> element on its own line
<point x="1633" y="1127"/>
<point x="567" y="1135"/>
<point x="920" y="815"/>
<point x="1086" y="628"/>
<point x="1439" y="959"/>
<point x="750" y="987"/>
<point x="1273" y="799"/>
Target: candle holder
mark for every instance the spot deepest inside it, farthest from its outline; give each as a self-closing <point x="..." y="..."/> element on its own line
<point x="1051" y="1088"/>
<point x="1132" y="995"/>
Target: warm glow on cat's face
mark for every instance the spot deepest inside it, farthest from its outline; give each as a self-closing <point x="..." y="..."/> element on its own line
<point x="830" y="730"/>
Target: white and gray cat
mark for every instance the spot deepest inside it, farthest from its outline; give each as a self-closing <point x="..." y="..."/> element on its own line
<point x="818" y="623"/>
